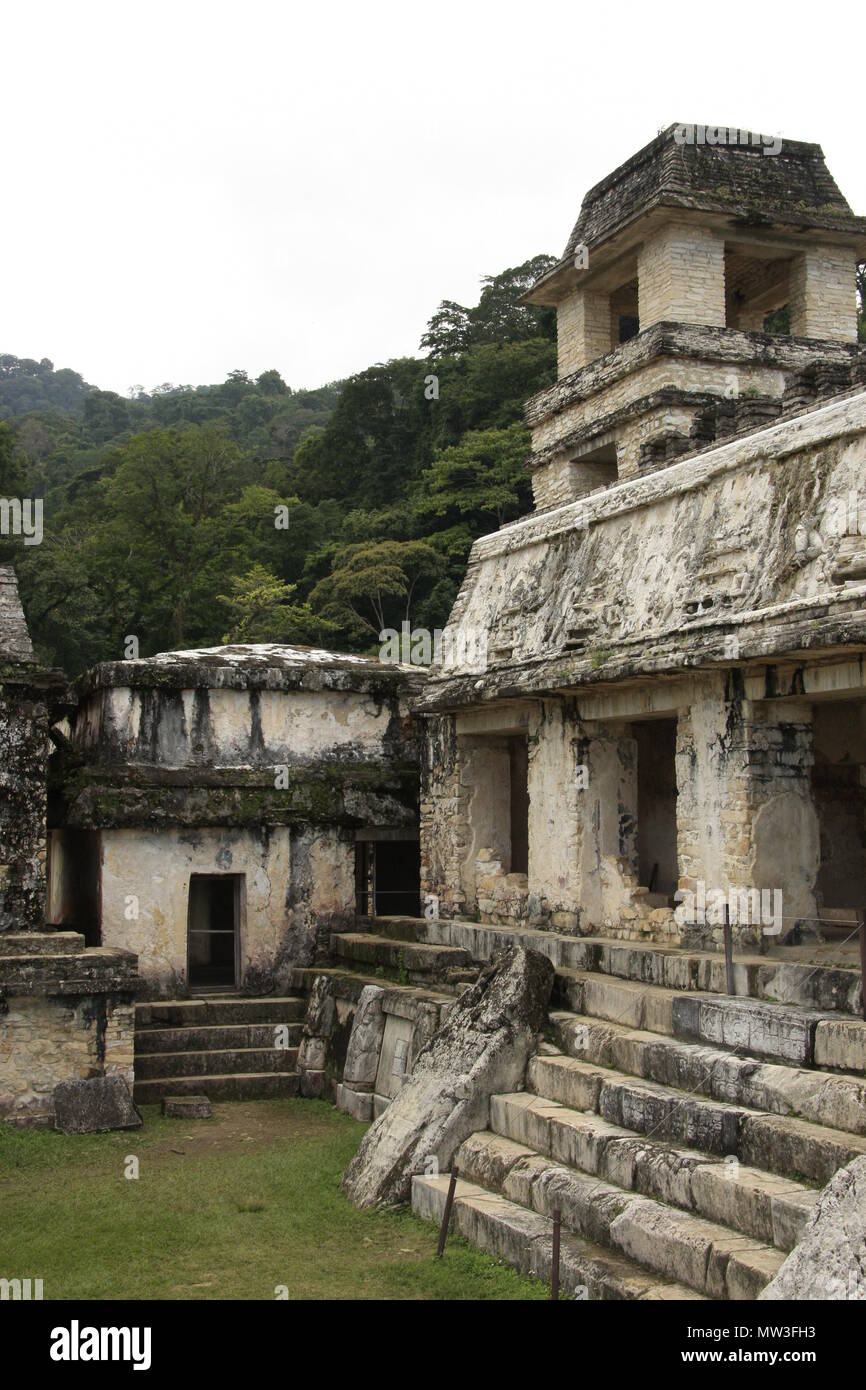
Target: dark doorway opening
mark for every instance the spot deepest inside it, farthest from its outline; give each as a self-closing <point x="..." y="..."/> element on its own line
<point x="388" y="877"/>
<point x="657" y="806"/>
<point x="838" y="777"/>
<point x="213" y="930"/>
<point x="73" y="882"/>
<point x="518" y="763"/>
<point x="397" y="876"/>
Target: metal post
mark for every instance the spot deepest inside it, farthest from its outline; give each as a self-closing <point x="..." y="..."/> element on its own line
<point x="554" y="1273"/>
<point x="861" y="919"/>
<point x="446" y="1215"/>
<point x="729" y="952"/>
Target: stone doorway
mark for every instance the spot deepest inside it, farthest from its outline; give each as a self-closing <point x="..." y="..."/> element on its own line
<point x="658" y="870"/>
<point x="518" y="780"/>
<point x="838" y="779"/>
<point x="213" y="931"/>
<point x="387" y="875"/>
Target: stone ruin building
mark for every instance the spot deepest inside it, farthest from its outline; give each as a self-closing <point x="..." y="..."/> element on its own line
<point x="668" y="726"/>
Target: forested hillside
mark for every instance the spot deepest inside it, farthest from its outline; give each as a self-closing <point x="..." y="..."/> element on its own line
<point x="249" y="511"/>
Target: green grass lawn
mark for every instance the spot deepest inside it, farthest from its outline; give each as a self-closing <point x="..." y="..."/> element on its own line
<point x="225" y="1208"/>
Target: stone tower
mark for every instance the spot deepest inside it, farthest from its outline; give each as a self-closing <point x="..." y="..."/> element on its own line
<point x="674" y="699"/>
<point x="662" y="296"/>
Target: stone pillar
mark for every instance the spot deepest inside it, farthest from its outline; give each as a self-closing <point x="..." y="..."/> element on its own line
<point x="823" y="296"/>
<point x="681" y="276"/>
<point x="746" y="819"/>
<point x="583" y="330"/>
<point x="66" y="1013"/>
<point x="444" y="818"/>
<point x="607" y="827"/>
<point x="355" y="1091"/>
<point x="556" y="789"/>
<point x="24" y="751"/>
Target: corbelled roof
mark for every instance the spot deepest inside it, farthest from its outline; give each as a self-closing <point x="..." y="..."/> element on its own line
<point x="761" y="181"/>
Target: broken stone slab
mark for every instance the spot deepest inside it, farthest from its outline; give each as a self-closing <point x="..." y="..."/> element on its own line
<point x="762" y="1030"/>
<point x="187" y="1107"/>
<point x="829" y="1260"/>
<point x="365" y="1042"/>
<point x="313" y="1083"/>
<point x="98" y="1103"/>
<point x="317" y="1036"/>
<point x="841" y="1044"/>
<point x="481" y="1049"/>
<point x="358" y="1104"/>
<point x="41" y="943"/>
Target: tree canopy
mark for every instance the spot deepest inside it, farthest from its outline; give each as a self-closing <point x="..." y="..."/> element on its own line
<point x="252" y="511"/>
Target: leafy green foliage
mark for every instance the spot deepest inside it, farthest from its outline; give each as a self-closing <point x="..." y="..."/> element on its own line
<point x="250" y="512"/>
<point x="26" y="385"/>
<point x="260" y="609"/>
<point x="497" y="317"/>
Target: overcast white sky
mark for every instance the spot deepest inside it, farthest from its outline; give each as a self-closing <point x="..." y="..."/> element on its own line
<point x="190" y="188"/>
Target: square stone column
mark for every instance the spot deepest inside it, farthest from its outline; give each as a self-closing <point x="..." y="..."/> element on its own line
<point x="681" y="276"/>
<point x="607" y="827"/>
<point x="823" y="295"/>
<point x="583" y="330"/>
<point x="444" y="818"/>
<point x="746" y="819"/>
<point x="556" y="797"/>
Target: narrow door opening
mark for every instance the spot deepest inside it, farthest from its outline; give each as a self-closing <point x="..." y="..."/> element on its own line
<point x="518" y="760"/>
<point x="213" y="930"/>
<point x="657" y="807"/>
<point x="838" y="778"/>
<point x="388" y="877"/>
<point x="397" y="878"/>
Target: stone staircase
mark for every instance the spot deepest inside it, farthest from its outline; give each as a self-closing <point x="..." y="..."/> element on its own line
<point x="683" y="1134"/>
<point x="221" y="1047"/>
<point x="393" y="947"/>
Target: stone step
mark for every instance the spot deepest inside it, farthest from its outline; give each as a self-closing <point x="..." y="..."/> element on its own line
<point x="772" y="1210"/>
<point x="349" y="982"/>
<point x="781" y="1032"/>
<point x="394" y="928"/>
<point x="41" y="943"/>
<point x="824" y="1098"/>
<point x="416" y="961"/>
<point x="523" y="1239"/>
<point x="73" y="971"/>
<point x="778" y="1144"/>
<point x="710" y="1258"/>
<point x="239" y="1086"/>
<point x="215" y="1036"/>
<point x="153" y="1065"/>
<point x="185" y="1013"/>
<point x="824" y="987"/>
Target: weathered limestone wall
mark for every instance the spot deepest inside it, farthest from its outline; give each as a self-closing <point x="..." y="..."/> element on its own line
<point x="583" y="329"/>
<point x="24" y="750"/>
<point x="746" y="817"/>
<point x="555" y="805"/>
<point x="681" y="276"/>
<point x="23" y="762"/>
<point x="298" y="887"/>
<point x="756" y="531"/>
<point x="713" y="378"/>
<point x="65" y="1013"/>
<point x="839" y="790"/>
<point x="823" y="299"/>
<point x="46" y="1040"/>
<point x="729" y="563"/>
<point x="219" y="727"/>
<point x="444" y="816"/>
